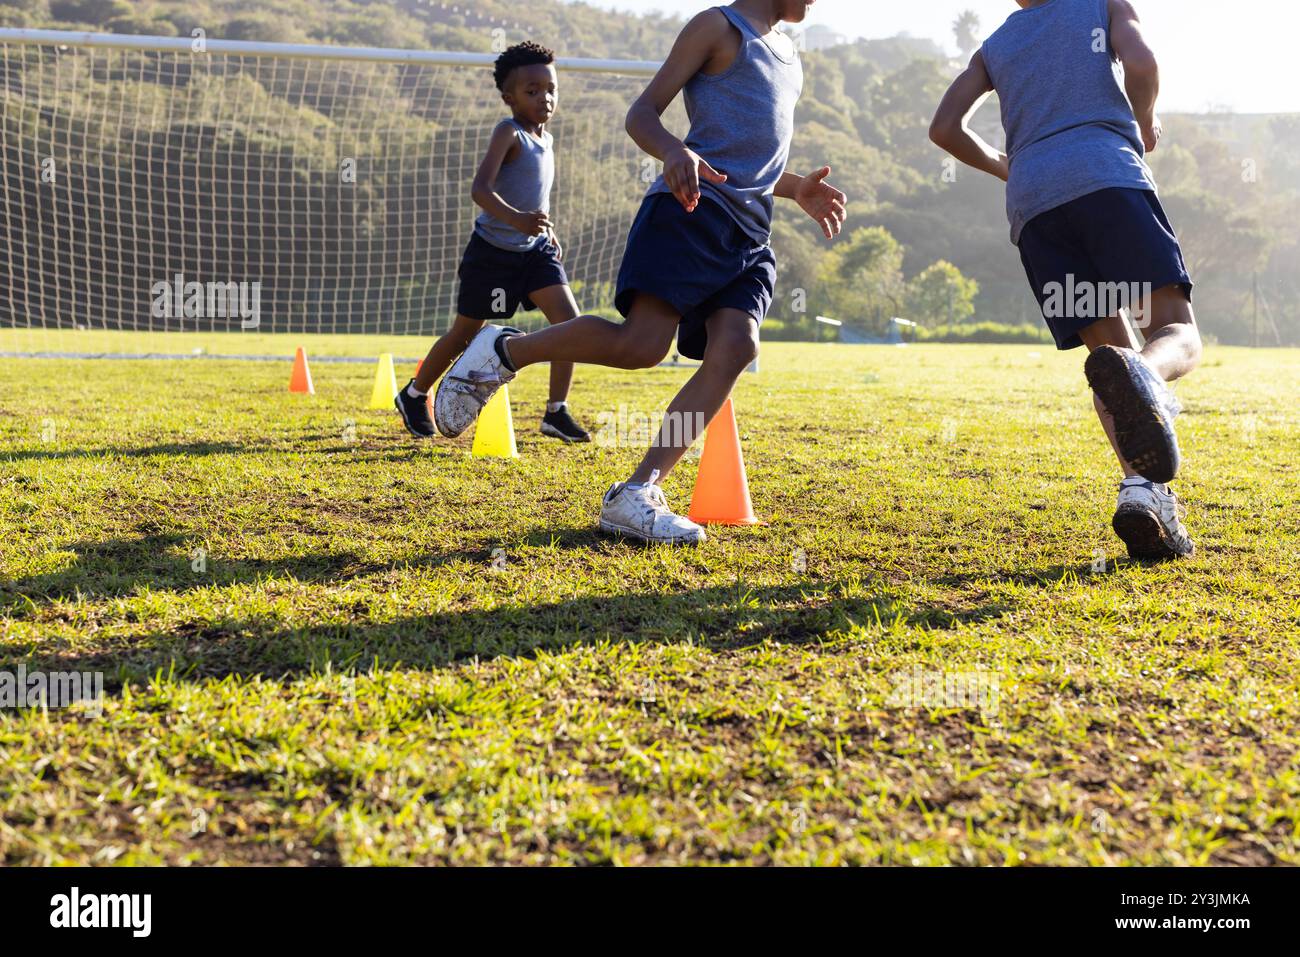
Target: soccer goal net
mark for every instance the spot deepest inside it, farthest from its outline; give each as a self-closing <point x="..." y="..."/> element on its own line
<point x="173" y="194"/>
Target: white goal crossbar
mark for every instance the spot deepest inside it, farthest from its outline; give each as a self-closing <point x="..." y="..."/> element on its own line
<point x="113" y="41"/>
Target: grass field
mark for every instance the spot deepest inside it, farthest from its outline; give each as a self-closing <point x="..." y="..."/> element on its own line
<point x="395" y="653"/>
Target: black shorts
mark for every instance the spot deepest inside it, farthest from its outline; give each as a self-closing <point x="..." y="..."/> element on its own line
<point x="495" y="282"/>
<point x="698" y="262"/>
<point x="1085" y="257"/>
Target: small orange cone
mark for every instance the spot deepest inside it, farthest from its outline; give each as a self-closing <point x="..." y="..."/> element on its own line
<point x="300" y="381"/>
<point x="722" y="488"/>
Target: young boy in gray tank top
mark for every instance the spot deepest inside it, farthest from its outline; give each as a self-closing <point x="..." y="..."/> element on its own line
<point x="698" y="261"/>
<point x="1093" y="237"/>
<point x="513" y="258"/>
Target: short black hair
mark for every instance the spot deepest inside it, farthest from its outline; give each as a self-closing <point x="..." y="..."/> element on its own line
<point x="527" y="53"/>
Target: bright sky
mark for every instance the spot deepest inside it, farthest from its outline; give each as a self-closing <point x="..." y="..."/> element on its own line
<point x="1240" y="55"/>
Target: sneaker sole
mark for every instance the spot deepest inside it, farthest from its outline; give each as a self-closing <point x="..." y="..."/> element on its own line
<point x="439" y="411"/>
<point x="439" y="421"/>
<point x="401" y="410"/>
<point x="555" y="433"/>
<point x="609" y="528"/>
<point x="1146" y="538"/>
<point x="1146" y="438"/>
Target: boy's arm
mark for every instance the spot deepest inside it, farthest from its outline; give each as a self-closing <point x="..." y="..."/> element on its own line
<point x="951" y="127"/>
<point x="818" y="198"/>
<point x="1141" y="72"/>
<point x="503" y="146"/>
<point x="683" y="168"/>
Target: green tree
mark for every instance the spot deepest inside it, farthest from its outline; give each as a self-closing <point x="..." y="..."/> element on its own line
<point x="967" y="30"/>
<point x="36" y="8"/>
<point x="941" y="294"/>
<point x="862" y="279"/>
<point x="91" y="11"/>
<point x="263" y="27"/>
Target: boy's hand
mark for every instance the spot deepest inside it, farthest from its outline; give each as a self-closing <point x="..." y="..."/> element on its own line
<point x="1151" y="133"/>
<point x="822" y="201"/>
<point x="532" y="224"/>
<point x="683" y="170"/>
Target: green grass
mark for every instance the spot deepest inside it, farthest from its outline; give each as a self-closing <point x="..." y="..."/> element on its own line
<point x="354" y="678"/>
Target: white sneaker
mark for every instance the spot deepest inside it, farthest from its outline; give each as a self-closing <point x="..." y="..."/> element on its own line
<point x="1148" y="519"/>
<point x="471" y="381"/>
<point x="643" y="513"/>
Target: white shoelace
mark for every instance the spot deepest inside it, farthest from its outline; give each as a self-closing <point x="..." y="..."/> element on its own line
<point x="478" y="378"/>
<point x="1173" y="407"/>
<point x="1165" y="492"/>
<point x="658" y="502"/>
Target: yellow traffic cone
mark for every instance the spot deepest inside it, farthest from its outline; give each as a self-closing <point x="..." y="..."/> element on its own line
<point x="385" y="383"/>
<point x="495" y="435"/>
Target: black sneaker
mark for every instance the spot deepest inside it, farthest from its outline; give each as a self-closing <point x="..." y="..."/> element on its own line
<point x="1144" y="409"/>
<point x="560" y="425"/>
<point x="415" y="413"/>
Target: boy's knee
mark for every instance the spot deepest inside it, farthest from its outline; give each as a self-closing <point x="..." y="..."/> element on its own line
<point x="735" y="344"/>
<point x="636" y="352"/>
<point x="463" y="332"/>
<point x="1195" y="346"/>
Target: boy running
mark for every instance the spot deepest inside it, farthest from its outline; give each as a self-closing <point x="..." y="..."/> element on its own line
<point x="1085" y="214"/>
<point x="698" y="263"/>
<point x="513" y="258"/>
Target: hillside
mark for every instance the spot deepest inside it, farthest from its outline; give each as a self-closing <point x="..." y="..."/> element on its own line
<point x="1230" y="183"/>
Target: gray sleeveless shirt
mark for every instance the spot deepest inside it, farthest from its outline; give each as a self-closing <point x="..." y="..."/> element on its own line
<point x="742" y="123"/>
<point x="1070" y="128"/>
<point x="526" y="185"/>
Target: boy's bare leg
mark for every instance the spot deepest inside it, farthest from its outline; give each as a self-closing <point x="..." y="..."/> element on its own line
<point x="641" y="342"/>
<point x="1173" y="341"/>
<point x="1173" y="347"/>
<point x="1147" y="517"/>
<point x="558" y="305"/>
<point x="445" y="351"/>
<point x="733" y="346"/>
<point x="1114" y="331"/>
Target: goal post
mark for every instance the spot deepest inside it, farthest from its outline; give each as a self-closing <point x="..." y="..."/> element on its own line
<point x="176" y="194"/>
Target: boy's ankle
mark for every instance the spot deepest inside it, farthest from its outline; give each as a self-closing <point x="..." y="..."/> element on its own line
<point x="503" y="352"/>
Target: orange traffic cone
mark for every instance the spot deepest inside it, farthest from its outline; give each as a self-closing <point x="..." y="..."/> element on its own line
<point x="722" y="488"/>
<point x="300" y="381"/>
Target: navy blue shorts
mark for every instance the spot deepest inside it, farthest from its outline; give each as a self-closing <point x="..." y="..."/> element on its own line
<point x="698" y="262"/>
<point x="495" y="282"/>
<point x="1079" y="253"/>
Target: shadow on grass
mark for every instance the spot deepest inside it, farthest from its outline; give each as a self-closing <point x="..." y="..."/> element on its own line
<point x="171" y="563"/>
<point x="722" y="617"/>
<point x="1052" y="575"/>
<point x="175" y="449"/>
<point x="734" y="615"/>
<point x="165" y="562"/>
